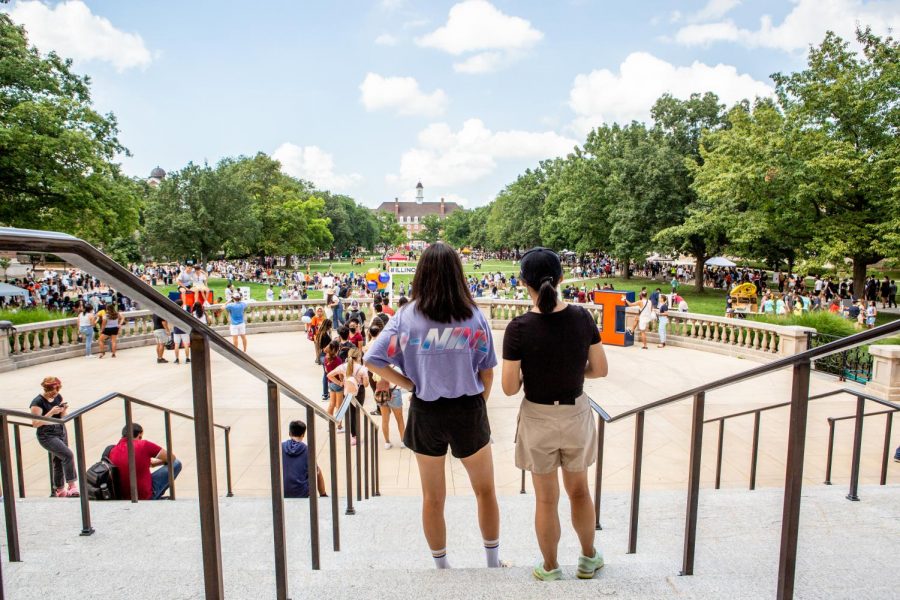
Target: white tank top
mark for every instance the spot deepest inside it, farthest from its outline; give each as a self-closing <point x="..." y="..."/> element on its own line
<point x="84" y="319"/>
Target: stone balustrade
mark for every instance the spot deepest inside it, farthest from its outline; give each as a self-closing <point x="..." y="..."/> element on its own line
<point x="37" y="343"/>
<point x="736" y="337"/>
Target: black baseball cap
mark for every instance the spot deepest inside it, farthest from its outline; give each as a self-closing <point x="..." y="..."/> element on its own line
<point x="540" y="264"/>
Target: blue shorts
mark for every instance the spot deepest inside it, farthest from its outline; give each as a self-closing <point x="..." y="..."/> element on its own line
<point x="396" y="400"/>
<point x="335" y="387"/>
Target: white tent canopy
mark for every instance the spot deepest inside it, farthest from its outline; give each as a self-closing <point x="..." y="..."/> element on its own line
<point x="720" y="261"/>
<point x="11" y="290"/>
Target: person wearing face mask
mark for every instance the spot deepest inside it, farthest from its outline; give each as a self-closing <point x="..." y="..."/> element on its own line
<point x="356" y="337"/>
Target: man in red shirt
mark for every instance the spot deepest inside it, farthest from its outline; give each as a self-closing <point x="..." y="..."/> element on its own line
<point x="151" y="486"/>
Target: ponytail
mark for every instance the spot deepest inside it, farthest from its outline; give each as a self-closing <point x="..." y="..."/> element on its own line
<point x="546" y="301"/>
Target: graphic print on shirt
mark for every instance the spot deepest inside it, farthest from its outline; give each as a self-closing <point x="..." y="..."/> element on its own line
<point x="441" y="339"/>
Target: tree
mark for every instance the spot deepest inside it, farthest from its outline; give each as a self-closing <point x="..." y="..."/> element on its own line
<point x="291" y="221"/>
<point x="575" y="213"/>
<point x="56" y="151"/>
<point x="515" y="219"/>
<point x="351" y="225"/>
<point x="457" y="228"/>
<point x="478" y="219"/>
<point x="695" y="227"/>
<point x="390" y="232"/>
<point x="751" y="176"/>
<point x="847" y="103"/>
<point x="432" y="228"/>
<point x="4" y="264"/>
<point x="200" y="212"/>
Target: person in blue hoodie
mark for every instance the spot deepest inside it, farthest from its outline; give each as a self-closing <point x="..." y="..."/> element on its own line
<point x="295" y="464"/>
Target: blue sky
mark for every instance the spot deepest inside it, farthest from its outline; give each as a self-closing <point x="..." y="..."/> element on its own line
<point x="367" y="97"/>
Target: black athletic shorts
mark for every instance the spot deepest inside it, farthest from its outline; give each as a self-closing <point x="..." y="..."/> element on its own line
<point x="460" y="423"/>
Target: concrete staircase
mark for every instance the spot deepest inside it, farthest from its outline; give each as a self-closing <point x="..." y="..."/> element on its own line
<point x="152" y="550"/>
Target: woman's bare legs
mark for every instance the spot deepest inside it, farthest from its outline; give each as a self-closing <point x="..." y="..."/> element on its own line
<point x="434" y="493"/>
<point x="398" y="416"/>
<point x="546" y="516"/>
<point x="576" y="484"/>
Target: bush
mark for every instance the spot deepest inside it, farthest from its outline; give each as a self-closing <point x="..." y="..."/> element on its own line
<point x="823" y="322"/>
<point x="31" y="315"/>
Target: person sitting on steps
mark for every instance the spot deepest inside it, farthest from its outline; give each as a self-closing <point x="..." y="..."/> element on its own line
<point x="295" y="464"/>
<point x="150" y="486"/>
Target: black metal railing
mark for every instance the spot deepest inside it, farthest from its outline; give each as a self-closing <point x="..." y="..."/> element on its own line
<point x="801" y="365"/>
<point x="203" y="338"/>
<point x="854" y="364"/>
<point x="76" y="417"/>
<point x="861" y="399"/>
<point x="168" y="413"/>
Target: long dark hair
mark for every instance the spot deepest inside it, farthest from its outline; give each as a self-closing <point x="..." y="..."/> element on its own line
<point x="547" y="297"/>
<point x="439" y="287"/>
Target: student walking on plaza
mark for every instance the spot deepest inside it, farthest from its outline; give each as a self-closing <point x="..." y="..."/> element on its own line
<point x="551" y="350"/>
<point x="238" y="326"/>
<point x="53" y="436"/>
<point x="442" y="344"/>
<point x="110" y="323"/>
<point x="86" y="322"/>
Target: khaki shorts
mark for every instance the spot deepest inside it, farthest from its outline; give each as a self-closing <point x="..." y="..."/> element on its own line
<point x="553" y="436"/>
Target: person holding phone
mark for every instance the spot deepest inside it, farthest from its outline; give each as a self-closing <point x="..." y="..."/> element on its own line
<point x="53" y="437"/>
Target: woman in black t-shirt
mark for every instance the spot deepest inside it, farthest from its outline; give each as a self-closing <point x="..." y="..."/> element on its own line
<point x="53" y="437"/>
<point x="551" y="349"/>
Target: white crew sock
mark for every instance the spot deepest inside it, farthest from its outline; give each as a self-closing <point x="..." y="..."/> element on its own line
<point x="492" y="553"/>
<point x="440" y="558"/>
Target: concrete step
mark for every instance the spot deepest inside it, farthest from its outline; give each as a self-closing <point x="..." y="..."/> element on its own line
<point x="846" y="549"/>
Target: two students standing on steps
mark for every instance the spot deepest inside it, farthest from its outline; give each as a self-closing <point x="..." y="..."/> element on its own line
<point x="443" y="346"/>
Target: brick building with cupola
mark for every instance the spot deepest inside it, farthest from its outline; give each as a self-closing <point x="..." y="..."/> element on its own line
<point x="410" y="215"/>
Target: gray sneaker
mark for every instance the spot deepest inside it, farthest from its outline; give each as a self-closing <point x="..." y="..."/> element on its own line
<point x="588" y="567"/>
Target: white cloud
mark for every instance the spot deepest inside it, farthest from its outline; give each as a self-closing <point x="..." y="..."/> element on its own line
<point x="313" y="164"/>
<point x="402" y="95"/>
<point x="476" y="26"/>
<point x="445" y="157"/>
<point x="602" y="96"/>
<point x="714" y="9"/>
<point x="415" y="23"/>
<point x="386" y="39"/>
<point x="73" y="31"/>
<point x="806" y="24"/>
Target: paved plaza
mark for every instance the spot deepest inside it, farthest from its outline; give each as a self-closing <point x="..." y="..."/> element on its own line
<point x="636" y="377"/>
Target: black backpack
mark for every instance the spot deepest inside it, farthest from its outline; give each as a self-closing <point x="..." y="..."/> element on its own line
<point x="345" y="291"/>
<point x="103" y="478"/>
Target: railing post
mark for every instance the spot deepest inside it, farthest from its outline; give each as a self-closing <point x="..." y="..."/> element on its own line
<point x="887" y="446"/>
<point x="522" y="487"/>
<point x="754" y="454"/>
<point x="830" y="455"/>
<point x="793" y="483"/>
<point x="170" y="467"/>
<point x="335" y="509"/>
<point x="719" y="453"/>
<point x="20" y="472"/>
<point x="598" y="473"/>
<point x="278" y="535"/>
<point x="376" y="477"/>
<point x="129" y="436"/>
<point x="636" y="481"/>
<point x="9" y="502"/>
<point x="366" y="448"/>
<point x="690" y="522"/>
<point x="348" y="456"/>
<point x="355" y="417"/>
<point x="228" y="493"/>
<point x="857" y="448"/>
<point x="312" y="469"/>
<point x="210" y="533"/>
<point x="86" y="528"/>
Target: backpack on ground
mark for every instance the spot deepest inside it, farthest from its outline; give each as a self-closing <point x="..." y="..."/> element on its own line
<point x="103" y="478"/>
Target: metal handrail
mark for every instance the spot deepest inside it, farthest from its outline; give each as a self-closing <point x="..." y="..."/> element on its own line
<point x="77" y="252"/>
<point x="202" y="336"/>
<point x="852" y="341"/>
<point x="76" y="414"/>
<point x="801" y="367"/>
